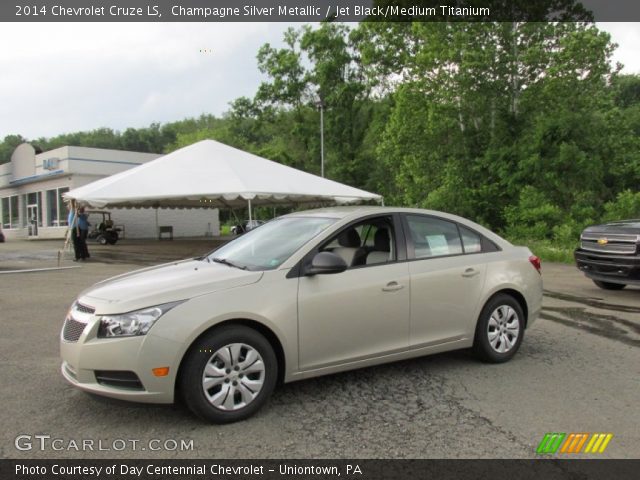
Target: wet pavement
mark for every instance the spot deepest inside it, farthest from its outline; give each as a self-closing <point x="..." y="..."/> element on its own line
<point x="578" y="370"/>
<point x="16" y="255"/>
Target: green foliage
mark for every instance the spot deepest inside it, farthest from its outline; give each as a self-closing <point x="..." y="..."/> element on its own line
<point x="549" y="250"/>
<point x="524" y="127"/>
<point x="533" y="217"/>
<point x="316" y="68"/>
<point x="625" y="206"/>
<point x="155" y="138"/>
<point x="8" y="145"/>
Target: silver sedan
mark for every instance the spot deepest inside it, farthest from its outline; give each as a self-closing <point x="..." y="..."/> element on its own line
<point x="306" y="294"/>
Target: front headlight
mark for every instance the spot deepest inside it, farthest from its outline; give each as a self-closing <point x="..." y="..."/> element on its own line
<point x="132" y="323"/>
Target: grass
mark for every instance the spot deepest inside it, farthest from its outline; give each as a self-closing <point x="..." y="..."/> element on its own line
<point x="548" y="250"/>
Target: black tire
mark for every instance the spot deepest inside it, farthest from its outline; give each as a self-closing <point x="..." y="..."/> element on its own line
<point x="112" y="238"/>
<point x="204" y="350"/>
<point x="482" y="346"/>
<point x="609" y="285"/>
<point x="102" y="240"/>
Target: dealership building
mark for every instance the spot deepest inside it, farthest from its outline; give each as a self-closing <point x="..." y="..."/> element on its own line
<point x="32" y="185"/>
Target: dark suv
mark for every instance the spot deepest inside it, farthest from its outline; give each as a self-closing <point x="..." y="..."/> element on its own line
<point x="609" y="254"/>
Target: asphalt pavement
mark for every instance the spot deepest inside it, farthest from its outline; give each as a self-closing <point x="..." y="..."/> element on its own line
<point x="578" y="370"/>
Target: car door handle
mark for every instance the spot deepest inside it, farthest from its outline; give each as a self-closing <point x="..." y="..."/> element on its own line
<point x="392" y="287"/>
<point x="470" y="272"/>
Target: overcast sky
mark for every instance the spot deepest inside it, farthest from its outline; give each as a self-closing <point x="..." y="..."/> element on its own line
<point x="58" y="78"/>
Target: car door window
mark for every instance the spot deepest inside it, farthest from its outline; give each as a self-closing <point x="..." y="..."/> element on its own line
<point x="471" y="241"/>
<point x="367" y="243"/>
<point x="433" y="237"/>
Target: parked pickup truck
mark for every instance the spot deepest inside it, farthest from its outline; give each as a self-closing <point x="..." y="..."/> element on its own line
<point x="609" y="254"/>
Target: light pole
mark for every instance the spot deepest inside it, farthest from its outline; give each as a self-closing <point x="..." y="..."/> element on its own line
<point x="320" y="105"/>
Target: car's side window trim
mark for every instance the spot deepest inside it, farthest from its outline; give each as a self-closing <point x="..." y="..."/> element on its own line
<point x="404" y="242"/>
<point x="400" y="243"/>
<point x="411" y="253"/>
<point x="399" y="238"/>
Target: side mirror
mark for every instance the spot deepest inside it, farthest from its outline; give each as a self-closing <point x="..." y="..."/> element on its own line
<point x="326" y="262"/>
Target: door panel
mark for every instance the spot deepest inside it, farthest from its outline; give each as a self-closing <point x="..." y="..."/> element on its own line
<point x="446" y="282"/>
<point x="444" y="297"/>
<point x="357" y="313"/>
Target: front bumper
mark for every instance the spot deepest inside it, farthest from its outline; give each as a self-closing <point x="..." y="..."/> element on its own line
<point x="81" y="360"/>
<point x="607" y="267"/>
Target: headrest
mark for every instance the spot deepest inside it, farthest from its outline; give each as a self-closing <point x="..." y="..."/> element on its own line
<point x="381" y="240"/>
<point x="349" y="238"/>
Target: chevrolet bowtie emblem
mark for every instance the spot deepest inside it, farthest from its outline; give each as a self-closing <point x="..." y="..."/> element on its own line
<point x="602" y="241"/>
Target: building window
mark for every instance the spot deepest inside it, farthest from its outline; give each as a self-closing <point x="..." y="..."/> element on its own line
<point x="10" y="212"/>
<point x="57" y="210"/>
<point x="6" y="213"/>
<point x="62" y="211"/>
<point x="52" y="203"/>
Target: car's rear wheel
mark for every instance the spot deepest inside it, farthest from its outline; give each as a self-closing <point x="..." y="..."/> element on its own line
<point x="228" y="374"/>
<point x="609" y="285"/>
<point x="499" y="330"/>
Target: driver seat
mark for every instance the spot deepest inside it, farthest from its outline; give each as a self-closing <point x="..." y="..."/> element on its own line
<point x="349" y="242"/>
<point x="381" y="252"/>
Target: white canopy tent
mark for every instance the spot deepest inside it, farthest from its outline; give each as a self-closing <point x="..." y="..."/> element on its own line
<point x="215" y="175"/>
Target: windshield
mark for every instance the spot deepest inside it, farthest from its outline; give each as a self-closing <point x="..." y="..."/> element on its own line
<point x="267" y="247"/>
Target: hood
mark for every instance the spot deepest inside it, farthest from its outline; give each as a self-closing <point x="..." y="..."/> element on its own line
<point x="631" y="227"/>
<point x="163" y="284"/>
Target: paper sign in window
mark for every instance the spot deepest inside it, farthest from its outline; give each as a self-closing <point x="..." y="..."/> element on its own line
<point x="438" y="244"/>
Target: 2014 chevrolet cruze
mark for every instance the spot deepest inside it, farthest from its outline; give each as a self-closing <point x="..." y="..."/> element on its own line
<point x="306" y="294"/>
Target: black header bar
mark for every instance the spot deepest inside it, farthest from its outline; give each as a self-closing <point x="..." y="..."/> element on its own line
<point x="319" y="469"/>
<point x="317" y="10"/>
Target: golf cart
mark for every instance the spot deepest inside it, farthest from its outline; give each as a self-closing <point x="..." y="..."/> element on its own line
<point x="102" y="231"/>
<point x="246" y="226"/>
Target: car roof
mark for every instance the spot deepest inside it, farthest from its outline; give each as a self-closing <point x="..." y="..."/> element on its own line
<point x="359" y="210"/>
<point x="348" y="213"/>
<point x="338" y="212"/>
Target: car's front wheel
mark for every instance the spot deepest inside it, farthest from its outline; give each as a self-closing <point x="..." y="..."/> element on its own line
<point x="500" y="329"/>
<point x="609" y="285"/>
<point x="228" y="374"/>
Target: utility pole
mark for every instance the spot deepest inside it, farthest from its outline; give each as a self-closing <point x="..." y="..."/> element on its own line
<point x="320" y="105"/>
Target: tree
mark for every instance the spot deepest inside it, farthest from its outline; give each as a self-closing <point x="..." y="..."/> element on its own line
<point x="317" y="66"/>
<point x="8" y="145"/>
<point x="483" y="109"/>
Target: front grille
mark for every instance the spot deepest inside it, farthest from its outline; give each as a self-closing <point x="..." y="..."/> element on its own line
<point x="83" y="308"/>
<point x="618" y="243"/>
<point x="72" y="330"/>
<point x="119" y="379"/>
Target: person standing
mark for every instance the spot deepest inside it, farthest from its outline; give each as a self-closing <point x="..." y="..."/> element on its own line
<point x="83" y="227"/>
<point x="72" y="221"/>
<point x="79" y="226"/>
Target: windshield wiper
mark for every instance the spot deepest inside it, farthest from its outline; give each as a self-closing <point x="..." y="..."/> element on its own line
<point x="227" y="262"/>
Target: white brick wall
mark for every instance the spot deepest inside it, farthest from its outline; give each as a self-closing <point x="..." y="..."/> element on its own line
<point x="141" y="223"/>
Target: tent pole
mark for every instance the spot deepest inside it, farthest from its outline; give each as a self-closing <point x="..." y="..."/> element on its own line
<point x="235" y="216"/>
<point x="157" y="226"/>
<point x="67" y="236"/>
<point x="250" y="218"/>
